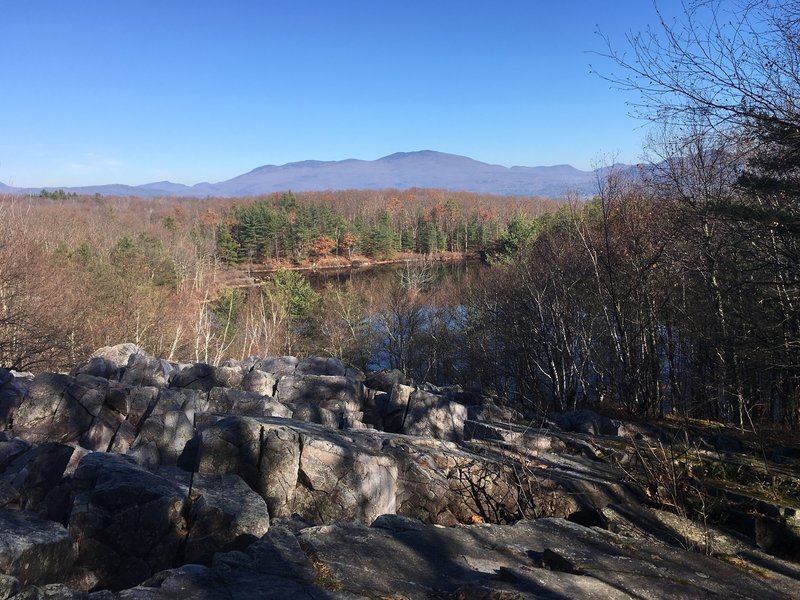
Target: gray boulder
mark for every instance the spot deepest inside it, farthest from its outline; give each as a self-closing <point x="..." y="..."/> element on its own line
<point x="109" y="362"/>
<point x="326" y="475"/>
<point x="144" y="370"/>
<point x="32" y="550"/>
<point x="186" y="400"/>
<point x="199" y="376"/>
<point x="384" y="381"/>
<point x="98" y="367"/>
<point x="303" y="468"/>
<point x="318" y="365"/>
<point x="546" y="558"/>
<point x="260" y="382"/>
<point x="12" y="391"/>
<point x="274" y="568"/>
<point x="9" y="586"/>
<point x="141" y="402"/>
<point x="433" y="416"/>
<point x="224" y="514"/>
<point x="488" y="411"/>
<point x="399" y="557"/>
<point x="342" y="479"/>
<point x="228" y="376"/>
<point x="395" y="408"/>
<point x="10" y="450"/>
<point x="510" y="435"/>
<point x="204" y="377"/>
<point x="336" y="393"/>
<point x="266" y="455"/>
<point x="129" y="522"/>
<point x="279" y="366"/>
<point x="59" y="408"/>
<point x="52" y="591"/>
<point x="28" y="479"/>
<point x="239" y="402"/>
<point x="162" y="438"/>
<point x="585" y="421"/>
<point x="118" y="355"/>
<point x="373" y="407"/>
<point x="312" y="413"/>
<point x="243" y="365"/>
<point x="443" y="484"/>
<point x="103" y="430"/>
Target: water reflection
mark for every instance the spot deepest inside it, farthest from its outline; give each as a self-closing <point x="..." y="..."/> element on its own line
<point x="432" y="272"/>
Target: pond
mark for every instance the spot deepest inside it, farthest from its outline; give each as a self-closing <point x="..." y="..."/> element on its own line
<point x="401" y="315"/>
<point x="430" y="272"/>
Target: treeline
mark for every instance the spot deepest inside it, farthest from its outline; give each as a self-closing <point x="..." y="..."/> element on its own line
<point x="285" y="228"/>
<point x="77" y="273"/>
<point x="57" y="194"/>
<point x="653" y="299"/>
<point x="679" y="291"/>
<point x="662" y="295"/>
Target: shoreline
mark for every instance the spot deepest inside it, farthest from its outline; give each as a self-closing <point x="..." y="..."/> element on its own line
<point x="363" y="264"/>
<point x="257" y="274"/>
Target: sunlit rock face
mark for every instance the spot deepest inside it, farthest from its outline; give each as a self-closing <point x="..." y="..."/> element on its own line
<point x="277" y="476"/>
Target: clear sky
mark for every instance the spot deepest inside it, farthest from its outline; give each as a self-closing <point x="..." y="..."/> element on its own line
<point x="135" y="91"/>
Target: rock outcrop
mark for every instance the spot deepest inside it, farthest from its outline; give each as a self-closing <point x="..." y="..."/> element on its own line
<point x="134" y="477"/>
<point x="33" y="550"/>
<point x="403" y="558"/>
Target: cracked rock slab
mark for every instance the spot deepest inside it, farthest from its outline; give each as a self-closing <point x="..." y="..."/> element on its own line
<point x="32" y="550"/>
<point x="400" y="557"/>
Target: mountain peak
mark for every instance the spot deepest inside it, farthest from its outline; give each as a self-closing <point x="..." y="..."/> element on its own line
<point x="429" y="155"/>
<point x="401" y="170"/>
<point x="420" y="153"/>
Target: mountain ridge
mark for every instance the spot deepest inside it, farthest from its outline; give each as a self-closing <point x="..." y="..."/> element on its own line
<point x="400" y="170"/>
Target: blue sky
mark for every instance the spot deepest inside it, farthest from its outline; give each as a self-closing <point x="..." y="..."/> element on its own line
<point x="134" y="91"/>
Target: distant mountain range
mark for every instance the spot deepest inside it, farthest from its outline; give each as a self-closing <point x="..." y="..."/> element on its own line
<point x="402" y="170"/>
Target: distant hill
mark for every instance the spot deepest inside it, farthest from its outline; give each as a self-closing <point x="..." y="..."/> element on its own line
<point x="402" y="170"/>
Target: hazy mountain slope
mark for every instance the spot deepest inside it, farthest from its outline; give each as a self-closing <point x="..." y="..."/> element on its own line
<point x="423" y="169"/>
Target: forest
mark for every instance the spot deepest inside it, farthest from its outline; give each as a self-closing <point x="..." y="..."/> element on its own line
<point x="171" y="275"/>
<point x="675" y="289"/>
<point x="377" y="226"/>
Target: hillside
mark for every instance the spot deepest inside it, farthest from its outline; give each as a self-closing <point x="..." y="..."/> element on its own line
<point x="402" y="170"/>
